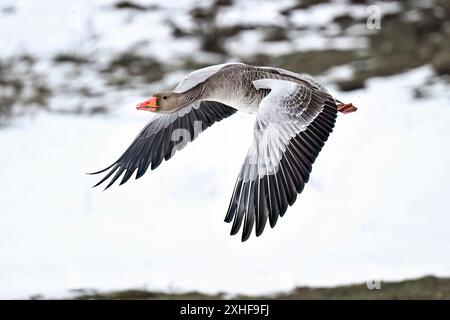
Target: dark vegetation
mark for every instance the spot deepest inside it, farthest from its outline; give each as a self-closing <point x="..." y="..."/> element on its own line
<point x="401" y="44"/>
<point x="428" y="287"/>
<point x="129" y="5"/>
<point x="20" y="85"/>
<point x="413" y="36"/>
<point x="129" y="67"/>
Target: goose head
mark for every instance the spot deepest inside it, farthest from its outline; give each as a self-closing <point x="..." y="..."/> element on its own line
<point x="163" y="102"/>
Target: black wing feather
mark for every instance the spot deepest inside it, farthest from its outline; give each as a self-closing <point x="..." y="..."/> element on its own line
<point x="154" y="143"/>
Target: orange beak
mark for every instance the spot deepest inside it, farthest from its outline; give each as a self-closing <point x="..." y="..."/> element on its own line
<point x="149" y="105"/>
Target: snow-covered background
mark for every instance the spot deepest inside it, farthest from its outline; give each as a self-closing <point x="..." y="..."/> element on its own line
<point x="376" y="207"/>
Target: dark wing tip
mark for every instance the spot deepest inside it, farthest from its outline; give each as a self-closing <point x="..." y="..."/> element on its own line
<point x="101" y="171"/>
<point x="114" y="169"/>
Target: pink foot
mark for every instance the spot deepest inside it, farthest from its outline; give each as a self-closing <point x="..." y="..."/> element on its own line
<point x="346" y="107"/>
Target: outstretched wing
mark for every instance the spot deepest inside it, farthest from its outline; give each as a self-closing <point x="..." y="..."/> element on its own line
<point x="292" y="125"/>
<point x="163" y="136"/>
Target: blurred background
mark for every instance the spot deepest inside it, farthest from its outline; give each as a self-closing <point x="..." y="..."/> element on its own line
<point x="376" y="207"/>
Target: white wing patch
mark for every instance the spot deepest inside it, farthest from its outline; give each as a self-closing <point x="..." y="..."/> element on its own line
<point x="279" y="119"/>
<point x="300" y="76"/>
<point x="198" y="76"/>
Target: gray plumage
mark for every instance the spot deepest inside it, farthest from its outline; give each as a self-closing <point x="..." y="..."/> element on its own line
<point x="294" y="117"/>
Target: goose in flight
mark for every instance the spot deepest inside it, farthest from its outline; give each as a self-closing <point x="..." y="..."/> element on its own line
<point x="294" y="117"/>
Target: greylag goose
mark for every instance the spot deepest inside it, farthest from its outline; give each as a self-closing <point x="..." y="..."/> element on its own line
<point x="294" y="117"/>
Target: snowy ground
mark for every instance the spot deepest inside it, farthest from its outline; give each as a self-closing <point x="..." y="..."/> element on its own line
<point x="376" y="206"/>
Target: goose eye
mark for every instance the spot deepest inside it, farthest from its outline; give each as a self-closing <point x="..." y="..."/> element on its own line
<point x="164" y="97"/>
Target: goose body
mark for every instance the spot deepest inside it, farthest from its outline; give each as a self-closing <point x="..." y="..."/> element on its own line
<point x="294" y="117"/>
<point x="232" y="84"/>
